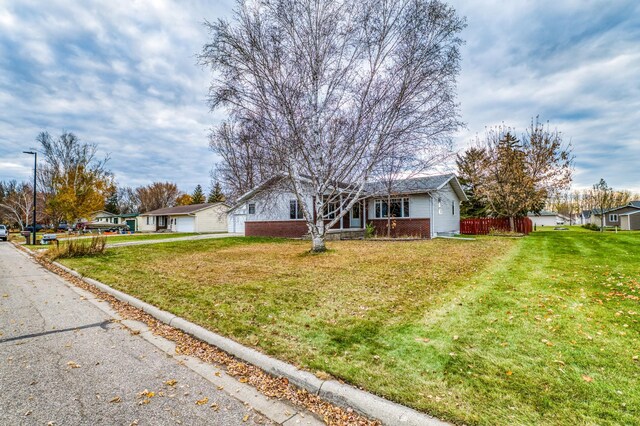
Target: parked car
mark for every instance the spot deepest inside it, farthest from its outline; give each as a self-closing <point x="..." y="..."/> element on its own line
<point x="30" y="228"/>
<point x="63" y="226"/>
<point x="4" y="233"/>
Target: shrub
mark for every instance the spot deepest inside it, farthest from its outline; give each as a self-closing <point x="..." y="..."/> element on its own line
<point x="591" y="226"/>
<point x="370" y="230"/>
<point x="74" y="247"/>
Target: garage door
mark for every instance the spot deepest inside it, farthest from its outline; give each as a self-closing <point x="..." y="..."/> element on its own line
<point x="237" y="224"/>
<point x="185" y="224"/>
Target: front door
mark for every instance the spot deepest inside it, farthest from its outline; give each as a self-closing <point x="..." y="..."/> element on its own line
<point x="354" y="217"/>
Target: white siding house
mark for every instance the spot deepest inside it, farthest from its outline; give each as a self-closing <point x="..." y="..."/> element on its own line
<point x="207" y="217"/>
<point x="421" y="206"/>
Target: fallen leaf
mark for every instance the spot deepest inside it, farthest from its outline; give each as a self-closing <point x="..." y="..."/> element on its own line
<point x="509" y="373"/>
<point x="245" y="418"/>
<point x="243" y="380"/>
<point x="171" y="382"/>
<point x="587" y="378"/>
<point x="455" y="337"/>
<point x="72" y="364"/>
<point x="220" y="387"/>
<point x="635" y="357"/>
<point x="215" y="407"/>
<point x="146" y="393"/>
<point x="116" y="399"/>
<point x="202" y="401"/>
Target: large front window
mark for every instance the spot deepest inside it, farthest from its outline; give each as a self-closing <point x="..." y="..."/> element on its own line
<point x="398" y="207"/>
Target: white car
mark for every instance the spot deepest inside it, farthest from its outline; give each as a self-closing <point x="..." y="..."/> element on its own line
<point x="4" y="233"/>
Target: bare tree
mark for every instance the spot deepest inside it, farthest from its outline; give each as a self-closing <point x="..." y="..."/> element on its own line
<point x="334" y="88"/>
<point x="514" y="176"/>
<point x="157" y="195"/>
<point x="244" y="163"/>
<point x="16" y="204"/>
<point x="128" y="200"/>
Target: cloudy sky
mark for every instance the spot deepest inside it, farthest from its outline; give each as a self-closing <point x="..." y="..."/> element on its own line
<point x="123" y="74"/>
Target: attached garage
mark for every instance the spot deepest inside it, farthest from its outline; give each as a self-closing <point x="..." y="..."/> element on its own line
<point x="206" y="217"/>
<point x="630" y="221"/>
<point x="185" y="224"/>
<point x="236" y="223"/>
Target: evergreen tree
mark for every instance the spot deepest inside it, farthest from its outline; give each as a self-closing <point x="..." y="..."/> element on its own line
<point x="112" y="204"/>
<point x="216" y="195"/>
<point x="198" y="196"/>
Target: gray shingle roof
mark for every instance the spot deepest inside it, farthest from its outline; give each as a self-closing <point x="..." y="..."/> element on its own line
<point x="412" y="185"/>
<point x="179" y="210"/>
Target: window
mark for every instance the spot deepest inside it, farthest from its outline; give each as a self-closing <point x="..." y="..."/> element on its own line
<point x="613" y="218"/>
<point x="295" y="212"/>
<point x="148" y="220"/>
<point x="330" y="210"/>
<point x="252" y="208"/>
<point x="453" y="208"/>
<point x="399" y="207"/>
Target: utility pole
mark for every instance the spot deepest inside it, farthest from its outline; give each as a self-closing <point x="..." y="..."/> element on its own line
<point x="35" y="165"/>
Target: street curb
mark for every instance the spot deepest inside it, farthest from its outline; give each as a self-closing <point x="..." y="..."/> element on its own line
<point x="389" y="413"/>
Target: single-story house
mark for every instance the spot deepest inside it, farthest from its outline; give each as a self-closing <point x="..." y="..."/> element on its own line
<point x="547" y="218"/>
<point x="423" y="206"/>
<point x="613" y="217"/>
<point x="102" y="216"/>
<point x="206" y="217"/>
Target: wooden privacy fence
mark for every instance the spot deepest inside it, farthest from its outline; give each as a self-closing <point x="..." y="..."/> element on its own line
<point x="482" y="226"/>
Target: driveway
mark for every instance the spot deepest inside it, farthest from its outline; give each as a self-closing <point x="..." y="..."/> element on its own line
<point x="64" y="362"/>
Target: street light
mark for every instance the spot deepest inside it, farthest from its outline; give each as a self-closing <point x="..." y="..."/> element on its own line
<point x="35" y="164"/>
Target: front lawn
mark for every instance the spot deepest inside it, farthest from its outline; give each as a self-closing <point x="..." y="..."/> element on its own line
<point x="536" y="330"/>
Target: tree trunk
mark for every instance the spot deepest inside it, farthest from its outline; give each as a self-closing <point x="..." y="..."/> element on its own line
<point x="318" y="244"/>
<point x="318" y="236"/>
<point x="512" y="224"/>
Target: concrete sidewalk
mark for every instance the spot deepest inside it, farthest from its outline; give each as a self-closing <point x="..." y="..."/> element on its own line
<point x="64" y="361"/>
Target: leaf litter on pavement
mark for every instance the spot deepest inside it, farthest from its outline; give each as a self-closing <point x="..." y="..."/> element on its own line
<point x="270" y="386"/>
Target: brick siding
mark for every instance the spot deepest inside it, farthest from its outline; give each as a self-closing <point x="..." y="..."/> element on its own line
<point x="403" y="227"/>
<point x="279" y="228"/>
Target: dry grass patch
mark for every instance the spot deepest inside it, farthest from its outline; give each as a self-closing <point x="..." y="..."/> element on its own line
<point x="356" y="312"/>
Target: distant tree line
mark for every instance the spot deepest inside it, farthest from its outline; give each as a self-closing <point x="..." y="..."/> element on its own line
<point x="72" y="183"/>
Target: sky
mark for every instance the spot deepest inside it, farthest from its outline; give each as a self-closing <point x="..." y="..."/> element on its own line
<point x="123" y="74"/>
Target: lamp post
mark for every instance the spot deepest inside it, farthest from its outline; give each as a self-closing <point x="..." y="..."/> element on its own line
<point x="35" y="164"/>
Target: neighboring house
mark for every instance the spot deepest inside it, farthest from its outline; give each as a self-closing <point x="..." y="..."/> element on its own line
<point x="613" y="217"/>
<point x="421" y="207"/>
<point x="101" y="216"/>
<point x="585" y="217"/>
<point x="207" y="217"/>
<point x="547" y="218"/>
<point x="127" y="218"/>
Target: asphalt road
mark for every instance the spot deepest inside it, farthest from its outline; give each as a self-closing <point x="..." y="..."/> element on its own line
<point x="62" y="362"/>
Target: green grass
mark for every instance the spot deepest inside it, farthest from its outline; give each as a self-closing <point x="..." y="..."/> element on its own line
<point x="537" y="330"/>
